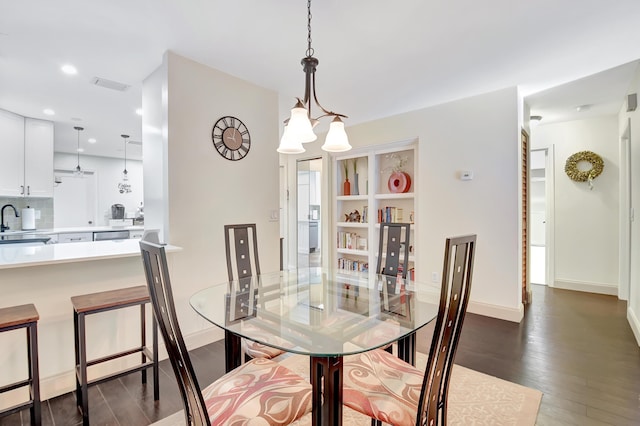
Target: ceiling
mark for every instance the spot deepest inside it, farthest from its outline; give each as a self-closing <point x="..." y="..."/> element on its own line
<point x="377" y="58"/>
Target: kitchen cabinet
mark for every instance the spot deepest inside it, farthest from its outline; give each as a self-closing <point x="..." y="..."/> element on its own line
<point x="38" y="158"/>
<point x="75" y="237"/>
<point x="12" y="138"/>
<point x="27" y="153"/>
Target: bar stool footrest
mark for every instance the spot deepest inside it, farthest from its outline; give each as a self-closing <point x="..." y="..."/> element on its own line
<point x="119" y="355"/>
<point x="116" y="375"/>
<point x="16" y="408"/>
<point x="16" y="385"/>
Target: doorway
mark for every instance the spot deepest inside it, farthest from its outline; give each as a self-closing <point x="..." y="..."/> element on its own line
<point x="538" y="216"/>
<point x="309" y="192"/>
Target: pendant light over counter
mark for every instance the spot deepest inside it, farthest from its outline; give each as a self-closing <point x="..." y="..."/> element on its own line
<point x="78" y="171"/>
<point x="125" y="173"/>
<point x="298" y="128"/>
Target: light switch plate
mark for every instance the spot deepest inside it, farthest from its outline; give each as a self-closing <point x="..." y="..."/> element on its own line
<point x="274" y="215"/>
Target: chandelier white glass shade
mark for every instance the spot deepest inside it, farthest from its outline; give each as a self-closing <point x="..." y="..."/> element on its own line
<point x="78" y="171"/>
<point x="299" y="127"/>
<point x="125" y="173"/>
<point x="336" y="140"/>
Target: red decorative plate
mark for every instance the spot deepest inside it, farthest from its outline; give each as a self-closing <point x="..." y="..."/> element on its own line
<point x="399" y="182"/>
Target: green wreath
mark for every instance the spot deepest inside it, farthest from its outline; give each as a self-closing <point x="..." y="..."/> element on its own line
<point x="571" y="167"/>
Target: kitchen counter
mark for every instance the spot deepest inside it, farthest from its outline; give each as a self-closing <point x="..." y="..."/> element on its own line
<point x="75" y="229"/>
<point x="49" y="276"/>
<point x="19" y="255"/>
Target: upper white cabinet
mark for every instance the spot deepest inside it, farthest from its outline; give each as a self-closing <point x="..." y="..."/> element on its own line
<point x="27" y="156"/>
<point x="38" y="158"/>
<point x="12" y="142"/>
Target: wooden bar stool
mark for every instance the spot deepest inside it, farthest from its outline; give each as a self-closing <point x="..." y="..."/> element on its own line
<point x="94" y="303"/>
<point x="13" y="318"/>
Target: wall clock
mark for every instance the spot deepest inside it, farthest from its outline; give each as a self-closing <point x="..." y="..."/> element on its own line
<point x="231" y="138"/>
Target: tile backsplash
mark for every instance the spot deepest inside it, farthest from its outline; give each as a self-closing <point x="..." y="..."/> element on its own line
<point x="44" y="205"/>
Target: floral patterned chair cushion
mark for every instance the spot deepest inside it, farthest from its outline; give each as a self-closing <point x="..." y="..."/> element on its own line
<point x="383" y="387"/>
<point x="260" y="392"/>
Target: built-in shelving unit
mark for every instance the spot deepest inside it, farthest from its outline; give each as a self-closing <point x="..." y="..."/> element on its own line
<point x="369" y="199"/>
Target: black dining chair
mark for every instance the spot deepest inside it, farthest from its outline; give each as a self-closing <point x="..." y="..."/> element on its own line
<point x="259" y="389"/>
<point x="393" y="249"/>
<point x="241" y="244"/>
<point x="393" y="260"/>
<point x="392" y="391"/>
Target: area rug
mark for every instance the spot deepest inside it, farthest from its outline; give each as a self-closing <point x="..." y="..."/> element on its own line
<point x="474" y="399"/>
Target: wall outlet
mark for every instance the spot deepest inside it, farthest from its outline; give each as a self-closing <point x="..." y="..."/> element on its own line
<point x="434" y="277"/>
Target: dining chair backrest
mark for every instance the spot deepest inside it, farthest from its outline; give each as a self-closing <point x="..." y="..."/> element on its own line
<point x="454" y="297"/>
<point x="157" y="273"/>
<point x="241" y="243"/>
<point x="393" y="245"/>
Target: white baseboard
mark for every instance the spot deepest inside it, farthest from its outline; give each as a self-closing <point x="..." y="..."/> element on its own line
<point x="495" y="311"/>
<point x="634" y="323"/>
<point x="599" y="288"/>
<point x="65" y="382"/>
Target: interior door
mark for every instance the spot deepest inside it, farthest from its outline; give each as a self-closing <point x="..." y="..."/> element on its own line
<point x="74" y="200"/>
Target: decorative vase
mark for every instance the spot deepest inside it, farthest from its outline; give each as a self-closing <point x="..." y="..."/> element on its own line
<point x="399" y="182"/>
<point x="355" y="185"/>
<point x="346" y="187"/>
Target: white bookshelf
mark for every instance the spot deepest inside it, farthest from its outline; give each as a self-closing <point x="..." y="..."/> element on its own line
<point x="374" y="166"/>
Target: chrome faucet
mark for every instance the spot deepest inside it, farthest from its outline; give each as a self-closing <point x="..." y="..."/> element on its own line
<point x="4" y="227"/>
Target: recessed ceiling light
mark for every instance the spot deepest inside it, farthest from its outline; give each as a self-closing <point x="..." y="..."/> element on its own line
<point x="582" y="108"/>
<point x="80" y="149"/>
<point x="69" y="69"/>
<point x="139" y="111"/>
<point x="92" y="140"/>
<point x="76" y="119"/>
<point x="48" y="111"/>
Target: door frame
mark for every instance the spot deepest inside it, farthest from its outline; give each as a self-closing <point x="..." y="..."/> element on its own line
<point x="625" y="214"/>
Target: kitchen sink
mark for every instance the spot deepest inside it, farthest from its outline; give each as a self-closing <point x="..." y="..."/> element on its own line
<point x="17" y="239"/>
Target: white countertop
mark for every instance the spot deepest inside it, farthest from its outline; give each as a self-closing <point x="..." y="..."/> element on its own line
<point x="21" y="255"/>
<point x="76" y="229"/>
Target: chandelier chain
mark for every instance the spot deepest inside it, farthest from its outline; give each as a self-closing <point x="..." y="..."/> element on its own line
<point x="310" y="50"/>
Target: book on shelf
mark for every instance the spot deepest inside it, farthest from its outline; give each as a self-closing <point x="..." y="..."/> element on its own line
<point x="347" y="264"/>
<point x="390" y="214"/>
<point x="351" y="240"/>
<point x="364" y="218"/>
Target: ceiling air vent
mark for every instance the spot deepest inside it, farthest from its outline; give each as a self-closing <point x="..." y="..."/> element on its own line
<point x="109" y="84"/>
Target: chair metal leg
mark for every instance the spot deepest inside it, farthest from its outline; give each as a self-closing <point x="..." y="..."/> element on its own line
<point x="34" y="374"/>
<point x="82" y="396"/>
<point x="143" y="342"/>
<point x="156" y="364"/>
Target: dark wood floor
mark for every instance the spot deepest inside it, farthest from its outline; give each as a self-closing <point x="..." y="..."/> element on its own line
<point x="577" y="348"/>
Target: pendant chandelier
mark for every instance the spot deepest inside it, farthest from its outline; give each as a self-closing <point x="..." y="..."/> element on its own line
<point x="298" y="128"/>
<point x="125" y="173"/>
<point x="78" y="171"/>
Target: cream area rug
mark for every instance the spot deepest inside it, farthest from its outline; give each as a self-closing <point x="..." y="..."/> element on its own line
<point x="474" y="399"/>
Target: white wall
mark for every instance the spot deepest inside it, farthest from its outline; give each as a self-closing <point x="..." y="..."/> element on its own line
<point x="204" y="191"/>
<point x="585" y="221"/>
<point x="481" y="134"/>
<point x="109" y="175"/>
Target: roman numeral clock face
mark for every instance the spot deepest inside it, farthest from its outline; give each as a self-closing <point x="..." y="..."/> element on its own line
<point x="231" y="138"/>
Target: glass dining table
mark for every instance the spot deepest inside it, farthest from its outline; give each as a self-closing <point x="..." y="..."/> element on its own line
<point x="323" y="314"/>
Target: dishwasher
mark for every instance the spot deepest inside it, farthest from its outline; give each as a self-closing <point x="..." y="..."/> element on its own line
<point x="110" y="235"/>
